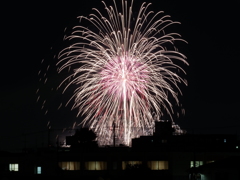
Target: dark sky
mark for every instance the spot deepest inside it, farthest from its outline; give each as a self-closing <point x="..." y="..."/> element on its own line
<point x="32" y="32"/>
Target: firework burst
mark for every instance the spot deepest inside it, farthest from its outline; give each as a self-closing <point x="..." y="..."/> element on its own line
<point x="124" y="71"/>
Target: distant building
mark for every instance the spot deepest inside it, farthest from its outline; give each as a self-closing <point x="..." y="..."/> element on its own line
<point x="164" y="155"/>
<point x="222" y="169"/>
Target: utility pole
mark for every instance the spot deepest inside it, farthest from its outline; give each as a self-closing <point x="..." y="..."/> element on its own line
<point x="48" y="137"/>
<point x="114" y="136"/>
<point x="25" y="142"/>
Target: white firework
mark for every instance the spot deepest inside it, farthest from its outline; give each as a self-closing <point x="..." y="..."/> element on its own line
<point x="125" y="70"/>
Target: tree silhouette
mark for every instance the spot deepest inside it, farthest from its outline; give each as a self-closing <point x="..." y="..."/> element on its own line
<point x="84" y="137"/>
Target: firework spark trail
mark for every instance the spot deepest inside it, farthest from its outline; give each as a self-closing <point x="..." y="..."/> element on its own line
<point x="123" y="71"/>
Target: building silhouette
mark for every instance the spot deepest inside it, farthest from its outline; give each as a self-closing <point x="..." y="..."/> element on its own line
<point x="165" y="155"/>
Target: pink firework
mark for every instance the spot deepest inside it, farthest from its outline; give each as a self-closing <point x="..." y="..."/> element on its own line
<point x="123" y="75"/>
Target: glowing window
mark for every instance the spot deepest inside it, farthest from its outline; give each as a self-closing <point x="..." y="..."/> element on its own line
<point x="130" y="163"/>
<point x="158" y="165"/>
<point x="225" y="140"/>
<point x="39" y="170"/>
<point x="197" y="163"/>
<point x="69" y="165"/>
<point x="95" y="165"/>
<point x="13" y="167"/>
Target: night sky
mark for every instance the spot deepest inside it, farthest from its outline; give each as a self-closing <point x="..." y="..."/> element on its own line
<point x="32" y="32"/>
